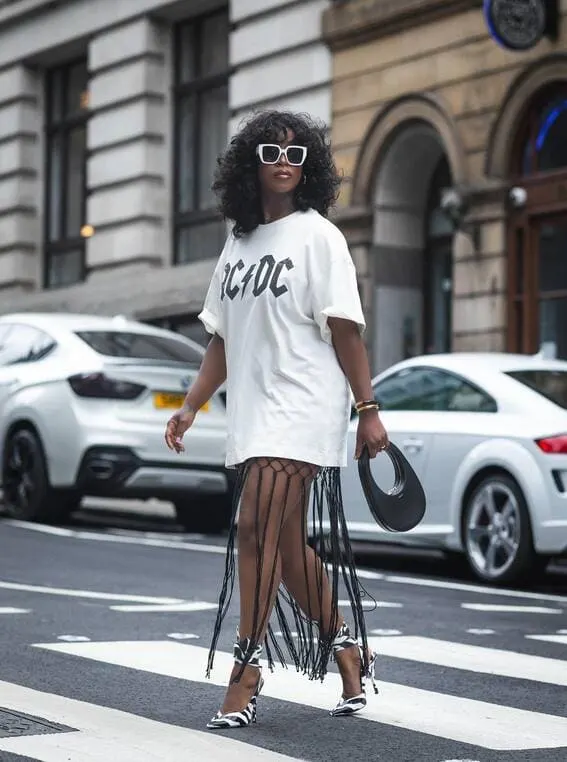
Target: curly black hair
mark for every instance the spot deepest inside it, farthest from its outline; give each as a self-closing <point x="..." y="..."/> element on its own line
<point x="236" y="181"/>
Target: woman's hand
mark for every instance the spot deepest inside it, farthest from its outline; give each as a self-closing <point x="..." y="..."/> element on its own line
<point x="176" y="427"/>
<point x="370" y="432"/>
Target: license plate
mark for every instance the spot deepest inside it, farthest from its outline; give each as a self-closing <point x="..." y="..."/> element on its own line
<point x="172" y="401"/>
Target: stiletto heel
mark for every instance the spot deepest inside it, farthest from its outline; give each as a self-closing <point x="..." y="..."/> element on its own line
<point x="346" y="706"/>
<point x="245" y="652"/>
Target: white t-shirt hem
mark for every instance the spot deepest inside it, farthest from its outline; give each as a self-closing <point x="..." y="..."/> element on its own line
<point x="211" y="322"/>
<point x="331" y="312"/>
<point x="322" y="458"/>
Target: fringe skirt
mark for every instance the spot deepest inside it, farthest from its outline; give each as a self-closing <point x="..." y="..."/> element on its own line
<point x="269" y="494"/>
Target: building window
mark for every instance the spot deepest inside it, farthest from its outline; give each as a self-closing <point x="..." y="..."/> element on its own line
<point x="537" y="232"/>
<point x="66" y="147"/>
<point x="201" y="129"/>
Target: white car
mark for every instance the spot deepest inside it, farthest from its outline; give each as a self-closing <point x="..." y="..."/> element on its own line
<point x="487" y="436"/>
<point x="83" y="405"/>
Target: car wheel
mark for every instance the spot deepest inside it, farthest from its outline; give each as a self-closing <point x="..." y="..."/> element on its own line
<point x="204" y="514"/>
<point x="497" y="532"/>
<point x="25" y="483"/>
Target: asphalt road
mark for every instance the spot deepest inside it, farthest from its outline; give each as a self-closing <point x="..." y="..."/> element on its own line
<point x="104" y="635"/>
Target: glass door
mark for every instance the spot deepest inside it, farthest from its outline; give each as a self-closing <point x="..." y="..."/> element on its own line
<point x="550" y="315"/>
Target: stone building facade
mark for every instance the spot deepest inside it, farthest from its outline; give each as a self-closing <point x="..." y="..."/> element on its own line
<point x="430" y="113"/>
<point x="111" y="117"/>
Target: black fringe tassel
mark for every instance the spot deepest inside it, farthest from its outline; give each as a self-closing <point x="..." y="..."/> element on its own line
<point x="308" y="646"/>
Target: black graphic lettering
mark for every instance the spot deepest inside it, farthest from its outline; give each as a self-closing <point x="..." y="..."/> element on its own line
<point x="274" y="287"/>
<point x="263" y="274"/>
<point x="267" y="272"/>
<point x="223" y="284"/>
<point x="231" y="290"/>
<point x="247" y="278"/>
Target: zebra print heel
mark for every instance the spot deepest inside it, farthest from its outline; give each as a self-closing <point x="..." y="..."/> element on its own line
<point x="248" y="654"/>
<point x="346" y="706"/>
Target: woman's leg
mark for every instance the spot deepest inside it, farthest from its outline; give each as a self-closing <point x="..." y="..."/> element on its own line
<point x="306" y="580"/>
<point x="273" y="489"/>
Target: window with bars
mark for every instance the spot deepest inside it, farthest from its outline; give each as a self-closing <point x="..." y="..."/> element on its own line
<point x="67" y="109"/>
<point x="201" y="131"/>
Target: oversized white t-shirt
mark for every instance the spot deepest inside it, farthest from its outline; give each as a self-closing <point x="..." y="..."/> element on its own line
<point x="269" y="299"/>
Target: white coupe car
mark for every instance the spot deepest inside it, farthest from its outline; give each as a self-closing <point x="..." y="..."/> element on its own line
<point x="487" y="435"/>
<point x="83" y="405"/>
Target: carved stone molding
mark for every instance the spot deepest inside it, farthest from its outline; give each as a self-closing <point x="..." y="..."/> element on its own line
<point x="424" y="107"/>
<point x="352" y="23"/>
<point x="520" y="94"/>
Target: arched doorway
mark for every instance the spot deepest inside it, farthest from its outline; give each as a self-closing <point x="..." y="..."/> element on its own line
<point x="537" y="230"/>
<point x="412" y="247"/>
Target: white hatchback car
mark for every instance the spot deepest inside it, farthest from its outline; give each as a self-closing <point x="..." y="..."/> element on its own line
<point x="487" y="435"/>
<point x="83" y="405"/>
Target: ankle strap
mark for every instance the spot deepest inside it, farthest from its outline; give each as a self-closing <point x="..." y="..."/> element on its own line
<point x="343" y="639"/>
<point x="247" y="652"/>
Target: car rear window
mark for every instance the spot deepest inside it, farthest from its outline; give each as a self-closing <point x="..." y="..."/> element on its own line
<point x="551" y="384"/>
<point x="140" y="346"/>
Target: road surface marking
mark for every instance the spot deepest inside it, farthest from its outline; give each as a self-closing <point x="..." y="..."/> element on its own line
<point x="464" y="720"/>
<point x="549" y="638"/>
<point x="448" y="585"/>
<point x="73" y="638"/>
<point x="10" y="610"/>
<point x="367" y="574"/>
<point x="121" y="539"/>
<point x="475" y="631"/>
<point x="490" y="661"/>
<point x="108" y="734"/>
<point x="86" y="594"/>
<point x="372" y="605"/>
<point x="221" y="550"/>
<point x="168" y="608"/>
<point x="510" y="609"/>
<point x="183" y="636"/>
<point x="385" y="632"/>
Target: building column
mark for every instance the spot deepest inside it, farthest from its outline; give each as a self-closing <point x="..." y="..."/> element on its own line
<point x="128" y="167"/>
<point x="20" y="187"/>
<point x="479" y="283"/>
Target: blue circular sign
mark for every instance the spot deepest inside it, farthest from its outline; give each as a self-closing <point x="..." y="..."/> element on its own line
<point x="516" y="24"/>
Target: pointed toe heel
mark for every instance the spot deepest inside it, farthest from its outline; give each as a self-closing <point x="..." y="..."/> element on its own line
<point x="245" y="653"/>
<point x="353" y="704"/>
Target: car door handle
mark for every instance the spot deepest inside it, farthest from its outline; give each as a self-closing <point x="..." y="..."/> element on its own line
<point x="412" y="445"/>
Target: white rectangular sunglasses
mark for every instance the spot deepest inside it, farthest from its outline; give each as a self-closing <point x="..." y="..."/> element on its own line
<point x="271" y="153"/>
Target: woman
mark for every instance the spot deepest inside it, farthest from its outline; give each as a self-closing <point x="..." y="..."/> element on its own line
<point x="286" y="321"/>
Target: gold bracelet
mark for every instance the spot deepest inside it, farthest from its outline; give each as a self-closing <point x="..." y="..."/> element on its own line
<point x="365" y="403"/>
<point x="369" y="406"/>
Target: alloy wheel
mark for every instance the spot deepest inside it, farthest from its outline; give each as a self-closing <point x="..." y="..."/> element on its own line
<point x="19" y="482"/>
<point x="493" y="529"/>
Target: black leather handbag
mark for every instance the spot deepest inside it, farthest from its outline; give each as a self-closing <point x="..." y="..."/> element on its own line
<point x="402" y="507"/>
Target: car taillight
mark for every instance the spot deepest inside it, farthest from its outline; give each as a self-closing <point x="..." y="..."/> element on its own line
<point x="99" y="386"/>
<point x="553" y="445"/>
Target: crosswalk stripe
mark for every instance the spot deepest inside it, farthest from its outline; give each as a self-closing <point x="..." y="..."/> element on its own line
<point x="458" y="719"/>
<point x="549" y="638"/>
<point x="108" y="734"/>
<point x="490" y="661"/>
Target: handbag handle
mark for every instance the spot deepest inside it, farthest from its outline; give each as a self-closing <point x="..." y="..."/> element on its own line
<point x="403" y="506"/>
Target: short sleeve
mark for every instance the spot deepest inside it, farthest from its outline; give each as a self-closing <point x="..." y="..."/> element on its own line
<point x="211" y="315"/>
<point x="333" y="282"/>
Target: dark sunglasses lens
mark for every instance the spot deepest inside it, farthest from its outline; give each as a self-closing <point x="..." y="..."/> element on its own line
<point x="295" y="155"/>
<point x="270" y="154"/>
